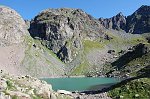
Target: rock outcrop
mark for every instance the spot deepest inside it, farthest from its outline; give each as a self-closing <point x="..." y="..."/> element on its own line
<point x="136" y="58"/>
<point x="12" y="26"/>
<point x="62" y="30"/>
<point x="26" y="87"/>
<point x="139" y="21"/>
<point x="117" y="22"/>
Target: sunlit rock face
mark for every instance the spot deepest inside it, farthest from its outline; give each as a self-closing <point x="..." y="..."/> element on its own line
<point x="12" y="26"/>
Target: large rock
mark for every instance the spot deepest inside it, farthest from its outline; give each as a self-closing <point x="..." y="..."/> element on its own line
<point x="63" y="30"/>
<point x="12" y="26"/>
<point x="64" y="92"/>
<point x="26" y="87"/>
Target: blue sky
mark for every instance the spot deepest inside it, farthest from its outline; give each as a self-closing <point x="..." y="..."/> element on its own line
<point x="97" y="8"/>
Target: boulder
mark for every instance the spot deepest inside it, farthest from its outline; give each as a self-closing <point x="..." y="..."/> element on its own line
<point x="64" y="92"/>
<point x="3" y="84"/>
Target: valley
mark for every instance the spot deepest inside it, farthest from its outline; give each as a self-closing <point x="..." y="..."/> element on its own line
<point x="64" y="43"/>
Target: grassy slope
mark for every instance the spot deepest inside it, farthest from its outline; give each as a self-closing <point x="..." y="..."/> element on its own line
<point x="136" y="89"/>
<point x="136" y="64"/>
<point x="140" y="62"/>
<point x="84" y="67"/>
<point x="39" y="59"/>
<point x="117" y="43"/>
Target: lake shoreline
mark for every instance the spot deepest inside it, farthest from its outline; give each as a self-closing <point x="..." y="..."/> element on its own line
<point x="82" y="76"/>
<point x="80" y="84"/>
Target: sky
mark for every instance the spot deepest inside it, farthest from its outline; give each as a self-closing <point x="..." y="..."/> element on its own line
<point x="28" y="9"/>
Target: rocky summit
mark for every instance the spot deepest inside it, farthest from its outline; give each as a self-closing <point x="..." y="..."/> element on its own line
<point x="117" y="22"/>
<point x="137" y="23"/>
<point x="63" y="30"/>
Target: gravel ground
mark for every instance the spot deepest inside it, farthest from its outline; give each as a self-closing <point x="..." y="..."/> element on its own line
<point x="91" y="96"/>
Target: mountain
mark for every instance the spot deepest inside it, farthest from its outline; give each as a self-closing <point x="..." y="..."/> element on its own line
<point x="79" y="40"/>
<point x="20" y="54"/>
<point x="63" y="30"/>
<point x="137" y="23"/>
<point x="70" y="42"/>
<point x="65" y="41"/>
<point x="10" y="31"/>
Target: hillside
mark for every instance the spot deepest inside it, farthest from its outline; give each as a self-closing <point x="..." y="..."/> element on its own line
<point x="133" y="88"/>
<point x="65" y="41"/>
<point x="72" y="36"/>
<point x="69" y="42"/>
<point x="26" y="87"/>
<point x="20" y="54"/>
<point x="79" y="40"/>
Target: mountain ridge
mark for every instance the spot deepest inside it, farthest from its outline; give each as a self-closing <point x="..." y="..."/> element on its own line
<point x="69" y="42"/>
<point x="135" y="23"/>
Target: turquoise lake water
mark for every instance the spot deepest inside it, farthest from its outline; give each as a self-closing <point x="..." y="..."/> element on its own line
<point x="81" y="83"/>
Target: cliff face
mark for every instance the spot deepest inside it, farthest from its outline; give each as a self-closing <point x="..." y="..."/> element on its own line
<point x="117" y="22"/>
<point x="137" y="23"/>
<point x="63" y="30"/>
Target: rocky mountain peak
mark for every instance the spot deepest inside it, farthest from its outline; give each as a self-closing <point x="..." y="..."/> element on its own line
<point x="117" y="22"/>
<point x="64" y="29"/>
<point x="144" y="9"/>
<point x="120" y="14"/>
<point x="50" y="14"/>
<point x="139" y="21"/>
<point x="12" y="26"/>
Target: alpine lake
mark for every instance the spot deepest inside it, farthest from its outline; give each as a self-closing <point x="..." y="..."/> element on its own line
<point x="81" y="83"/>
